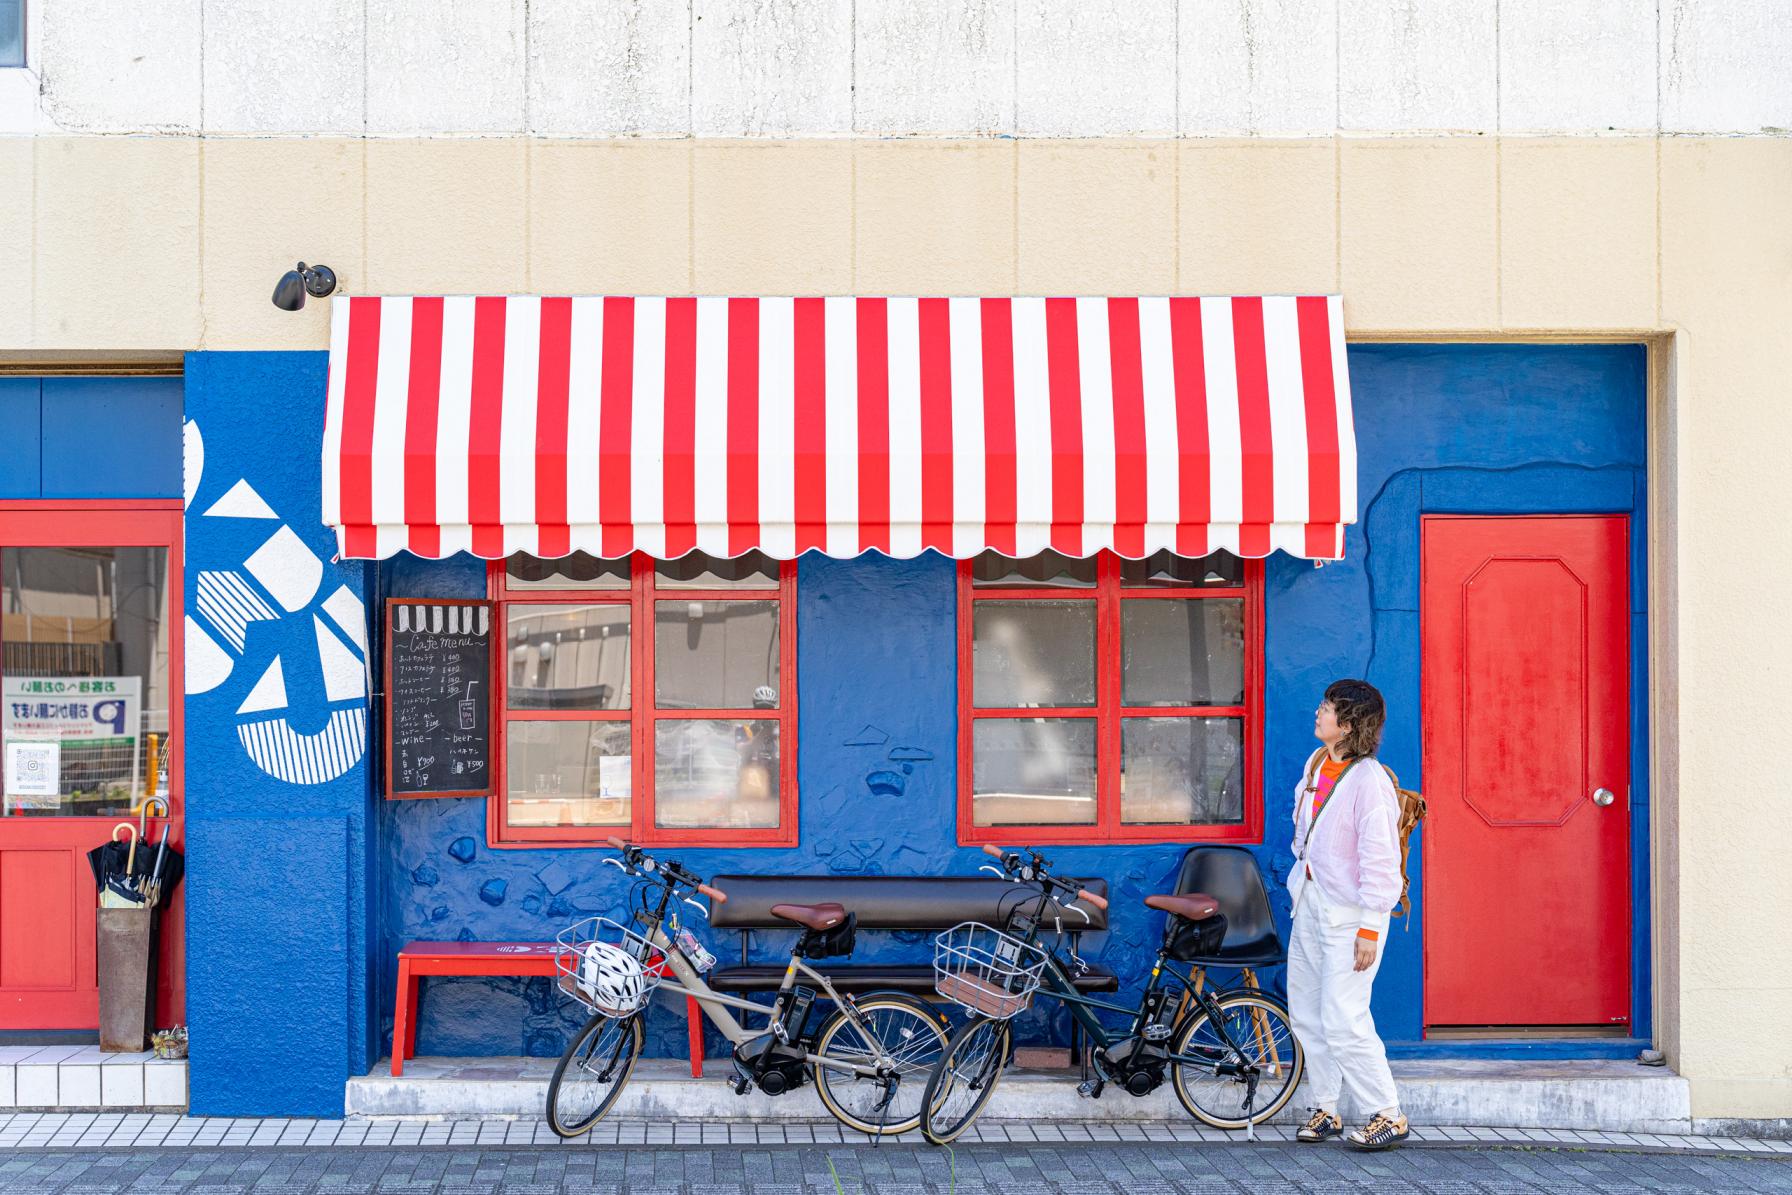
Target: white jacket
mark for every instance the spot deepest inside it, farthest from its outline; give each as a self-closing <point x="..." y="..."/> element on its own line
<point x="1354" y="852"/>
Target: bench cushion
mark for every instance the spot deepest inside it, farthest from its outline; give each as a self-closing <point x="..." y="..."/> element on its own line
<point x="864" y="977"/>
<point x="888" y="902"/>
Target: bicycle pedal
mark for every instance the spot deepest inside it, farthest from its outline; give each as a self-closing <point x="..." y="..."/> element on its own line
<point x="1090" y="1089"/>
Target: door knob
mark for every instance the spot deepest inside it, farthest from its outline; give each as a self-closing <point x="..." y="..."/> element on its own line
<point x="1603" y="796"/>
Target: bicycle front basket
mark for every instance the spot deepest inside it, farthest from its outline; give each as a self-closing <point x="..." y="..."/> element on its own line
<point x="607" y="966"/>
<point x="986" y="971"/>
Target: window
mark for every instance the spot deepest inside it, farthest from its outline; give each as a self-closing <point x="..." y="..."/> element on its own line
<point x="1113" y="700"/>
<point x="12" y="32"/>
<point x="651" y="700"/>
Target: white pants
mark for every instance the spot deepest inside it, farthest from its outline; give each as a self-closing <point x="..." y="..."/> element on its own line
<point x="1328" y="1001"/>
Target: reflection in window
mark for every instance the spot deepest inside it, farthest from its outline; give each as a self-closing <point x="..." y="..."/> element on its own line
<point x="715" y="654"/>
<point x="710" y="772"/>
<point x="1180" y="771"/>
<point x="84" y="678"/>
<point x="749" y="570"/>
<point x="994" y="570"/>
<point x="1182" y="652"/>
<point x="1033" y="771"/>
<point x="1035" y="653"/>
<point x="568" y="657"/>
<point x="568" y="773"/>
<point x="578" y="571"/>
<point x="1168" y="569"/>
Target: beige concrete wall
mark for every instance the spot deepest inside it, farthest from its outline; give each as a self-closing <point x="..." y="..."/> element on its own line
<point x="144" y="244"/>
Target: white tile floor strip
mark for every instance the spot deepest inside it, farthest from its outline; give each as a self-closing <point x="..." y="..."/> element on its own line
<point x="89" y="1130"/>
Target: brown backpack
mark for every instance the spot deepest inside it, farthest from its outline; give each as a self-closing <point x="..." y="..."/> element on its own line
<point x="1412" y="812"/>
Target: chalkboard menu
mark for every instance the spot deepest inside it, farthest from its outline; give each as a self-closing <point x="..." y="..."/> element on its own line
<point x="438" y="698"/>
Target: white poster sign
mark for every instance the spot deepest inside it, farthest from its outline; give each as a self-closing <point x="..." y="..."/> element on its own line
<point x="100" y="716"/>
<point x="33" y="775"/>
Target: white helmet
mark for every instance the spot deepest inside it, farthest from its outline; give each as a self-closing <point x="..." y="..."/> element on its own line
<point x="612" y="978"/>
<point x="765" y="696"/>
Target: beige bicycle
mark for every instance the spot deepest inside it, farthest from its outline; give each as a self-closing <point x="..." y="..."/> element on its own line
<point x="869" y="1059"/>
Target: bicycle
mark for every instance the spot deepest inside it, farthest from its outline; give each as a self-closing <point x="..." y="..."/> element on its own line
<point x="1230" y="1051"/>
<point x="859" y="1058"/>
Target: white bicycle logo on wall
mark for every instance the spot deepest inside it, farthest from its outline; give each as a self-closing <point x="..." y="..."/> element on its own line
<point x="280" y="581"/>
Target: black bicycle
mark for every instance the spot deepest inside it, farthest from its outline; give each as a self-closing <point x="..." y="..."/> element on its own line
<point x="1231" y="1055"/>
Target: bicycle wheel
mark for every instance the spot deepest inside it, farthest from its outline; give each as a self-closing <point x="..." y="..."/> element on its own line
<point x="1259" y="1029"/>
<point x="964" y="1078"/>
<point x="897" y="1027"/>
<point x="592" y="1073"/>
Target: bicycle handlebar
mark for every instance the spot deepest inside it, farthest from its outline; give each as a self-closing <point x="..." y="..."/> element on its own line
<point x="720" y="897"/>
<point x="671" y="873"/>
<point x="1041" y="875"/>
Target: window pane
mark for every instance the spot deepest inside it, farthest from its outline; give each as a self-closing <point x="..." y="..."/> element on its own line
<point x="12" y="33"/>
<point x="1182" y="771"/>
<point x="578" y="571"/>
<point x="84" y="679"/>
<point x="1167" y="568"/>
<point x="715" y="655"/>
<point x="715" y="773"/>
<point x="568" y="657"/>
<point x="568" y="773"/>
<point x="695" y="570"/>
<point x="1182" y="651"/>
<point x="1033" y="653"/>
<point x="1033" y="771"/>
<point x="994" y="570"/>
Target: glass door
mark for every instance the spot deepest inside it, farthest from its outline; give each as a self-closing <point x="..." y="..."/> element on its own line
<point x="90" y="721"/>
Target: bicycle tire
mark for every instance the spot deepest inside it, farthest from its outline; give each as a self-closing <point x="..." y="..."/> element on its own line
<point x="1277" y="1050"/>
<point x="588" y="1041"/>
<point x="918" y="1018"/>
<point x="940" y="1125"/>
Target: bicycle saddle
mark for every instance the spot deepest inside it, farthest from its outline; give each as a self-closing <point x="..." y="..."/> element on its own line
<point x="1196" y="906"/>
<point x="826" y="915"/>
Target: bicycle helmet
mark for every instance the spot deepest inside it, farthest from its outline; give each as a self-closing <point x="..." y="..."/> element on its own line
<point x="765" y="697"/>
<point x="612" y="978"/>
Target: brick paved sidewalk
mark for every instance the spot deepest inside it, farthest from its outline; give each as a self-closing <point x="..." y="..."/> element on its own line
<point x="90" y="1130"/>
<point x="1138" y="1168"/>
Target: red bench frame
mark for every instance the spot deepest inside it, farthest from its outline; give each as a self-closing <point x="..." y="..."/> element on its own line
<point x="419" y="959"/>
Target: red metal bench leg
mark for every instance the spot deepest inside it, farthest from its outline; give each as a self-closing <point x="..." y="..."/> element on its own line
<point x="402" y="1016"/>
<point x="410" y="1038"/>
<point x="694" y="1015"/>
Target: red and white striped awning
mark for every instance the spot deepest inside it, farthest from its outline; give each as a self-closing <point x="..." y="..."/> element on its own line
<point x="612" y="425"/>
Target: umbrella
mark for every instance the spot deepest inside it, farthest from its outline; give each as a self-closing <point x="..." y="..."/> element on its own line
<point x="130" y="877"/>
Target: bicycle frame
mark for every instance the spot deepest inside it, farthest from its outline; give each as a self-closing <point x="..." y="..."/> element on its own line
<point x="687" y="981"/>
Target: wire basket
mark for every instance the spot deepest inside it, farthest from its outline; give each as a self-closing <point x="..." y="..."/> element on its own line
<point x="986" y="971"/>
<point x="607" y="967"/>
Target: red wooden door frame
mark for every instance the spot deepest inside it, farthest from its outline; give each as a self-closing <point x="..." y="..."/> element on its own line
<point x="1528" y="890"/>
<point x="70" y="523"/>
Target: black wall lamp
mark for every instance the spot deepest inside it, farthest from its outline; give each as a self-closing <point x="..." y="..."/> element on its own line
<point x="294" y="285"/>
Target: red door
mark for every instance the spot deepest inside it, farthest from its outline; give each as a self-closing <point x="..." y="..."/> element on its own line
<point x="1525" y="635"/>
<point x="90" y="617"/>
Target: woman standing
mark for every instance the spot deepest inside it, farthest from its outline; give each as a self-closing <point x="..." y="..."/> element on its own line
<point x="1345" y="880"/>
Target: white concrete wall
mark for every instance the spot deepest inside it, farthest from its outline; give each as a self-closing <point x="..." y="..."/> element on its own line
<point x="840" y="68"/>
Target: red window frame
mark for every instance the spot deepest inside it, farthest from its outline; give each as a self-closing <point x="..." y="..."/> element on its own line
<point x="643" y="590"/>
<point x="1109" y="713"/>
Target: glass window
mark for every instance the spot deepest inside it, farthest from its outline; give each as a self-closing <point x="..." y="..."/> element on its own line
<point x="1149" y="680"/>
<point x="83" y="679"/>
<point x="1033" y="654"/>
<point x="992" y="570"/>
<point x="714" y="772"/>
<point x="1033" y="772"/>
<point x="715" y="655"/>
<point x="12" y="32"/>
<point x="749" y="570"/>
<point x="578" y="571"/>
<point x="568" y="657"/>
<point x="696" y="757"/>
<point x="1182" y="652"/>
<point x="569" y="773"/>
<point x="1181" y="771"/>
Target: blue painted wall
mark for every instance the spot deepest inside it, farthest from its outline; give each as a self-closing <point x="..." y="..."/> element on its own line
<point x="278" y="873"/>
<point x="1440" y="428"/>
<point x="90" y="437"/>
<point x="1507" y="429"/>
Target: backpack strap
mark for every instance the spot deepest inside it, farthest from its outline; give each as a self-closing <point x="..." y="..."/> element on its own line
<point x="1313" y="767"/>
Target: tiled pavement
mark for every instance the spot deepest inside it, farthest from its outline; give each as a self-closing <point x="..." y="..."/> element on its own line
<point x="1140" y="1168"/>
<point x="114" y="1130"/>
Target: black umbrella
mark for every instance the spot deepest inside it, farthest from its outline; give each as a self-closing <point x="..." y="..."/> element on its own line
<point x="140" y="876"/>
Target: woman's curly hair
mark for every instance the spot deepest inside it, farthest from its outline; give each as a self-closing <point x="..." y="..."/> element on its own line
<point x="1358" y="705"/>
